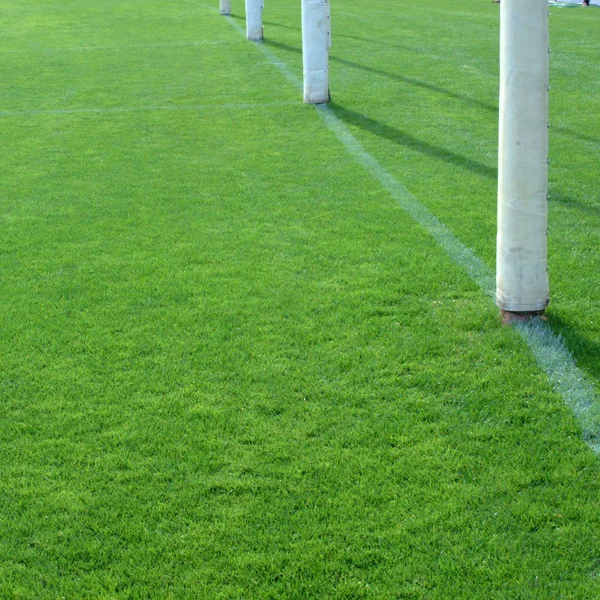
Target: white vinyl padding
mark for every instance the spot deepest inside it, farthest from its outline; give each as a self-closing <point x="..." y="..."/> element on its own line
<point x="521" y="260"/>
<point x="316" y="40"/>
<point x="225" y="7"/>
<point x="254" y="26"/>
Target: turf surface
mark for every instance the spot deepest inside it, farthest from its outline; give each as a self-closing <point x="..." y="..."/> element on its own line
<point x="231" y="365"/>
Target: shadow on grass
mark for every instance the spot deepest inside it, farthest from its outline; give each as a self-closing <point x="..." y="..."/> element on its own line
<point x="281" y="25"/>
<point x="585" y="351"/>
<point x="373" y="41"/>
<point x="346" y="36"/>
<point x="575" y="134"/>
<point x="395" y="135"/>
<point x="558" y="197"/>
<point x="401" y="78"/>
<point x="408" y="141"/>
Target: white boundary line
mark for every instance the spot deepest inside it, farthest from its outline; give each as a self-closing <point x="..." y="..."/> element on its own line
<point x="577" y="392"/>
<point x="198" y="108"/>
<point x="42" y="50"/>
<point x="281" y="66"/>
<point x="548" y="348"/>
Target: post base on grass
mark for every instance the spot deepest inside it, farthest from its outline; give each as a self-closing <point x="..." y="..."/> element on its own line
<point x="510" y="318"/>
<point x="320" y="101"/>
<point x="315" y="92"/>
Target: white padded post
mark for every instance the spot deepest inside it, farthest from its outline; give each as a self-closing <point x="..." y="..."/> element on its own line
<point x="316" y="40"/>
<point x="521" y="259"/>
<point x="225" y="7"/>
<point x="254" y="26"/>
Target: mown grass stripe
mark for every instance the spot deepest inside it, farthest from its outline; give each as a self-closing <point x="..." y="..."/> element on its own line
<point x="549" y="349"/>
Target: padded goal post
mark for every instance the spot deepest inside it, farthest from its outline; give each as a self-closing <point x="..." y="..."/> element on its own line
<point x="254" y="25"/>
<point x="225" y="7"/>
<point x="522" y="275"/>
<point x="316" y="41"/>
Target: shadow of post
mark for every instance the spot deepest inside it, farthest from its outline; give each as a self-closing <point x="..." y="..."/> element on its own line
<point x="346" y="36"/>
<point x="400" y="78"/>
<point x="408" y="141"/>
<point x="575" y="134"/>
<point x="585" y="351"/>
<point x="558" y="197"/>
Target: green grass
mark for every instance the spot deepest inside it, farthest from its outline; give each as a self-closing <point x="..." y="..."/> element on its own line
<point x="231" y="365"/>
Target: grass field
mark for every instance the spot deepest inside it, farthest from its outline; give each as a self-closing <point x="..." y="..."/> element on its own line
<point x="232" y="366"/>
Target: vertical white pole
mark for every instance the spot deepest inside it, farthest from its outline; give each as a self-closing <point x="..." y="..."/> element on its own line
<point x="521" y="260"/>
<point x="254" y="27"/>
<point x="316" y="40"/>
<point x="225" y="7"/>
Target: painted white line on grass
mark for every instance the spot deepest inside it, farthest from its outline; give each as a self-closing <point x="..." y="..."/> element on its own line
<point x="548" y="348"/>
<point x="118" y="109"/>
<point x="272" y="58"/>
<point x="463" y="256"/>
<point x="42" y="50"/>
<point x="460" y="254"/>
<point x="209" y="7"/>
<point x="558" y="363"/>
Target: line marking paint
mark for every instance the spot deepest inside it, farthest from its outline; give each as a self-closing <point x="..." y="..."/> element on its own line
<point x="549" y="349"/>
<point x="41" y="50"/>
<point x="459" y="253"/>
<point x="272" y="58"/>
<point x="577" y="392"/>
<point x="117" y="109"/>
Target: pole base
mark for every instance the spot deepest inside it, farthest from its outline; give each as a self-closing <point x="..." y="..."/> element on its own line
<point x="318" y="96"/>
<point x="510" y="318"/>
<point x="324" y="101"/>
<point x="255" y="34"/>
